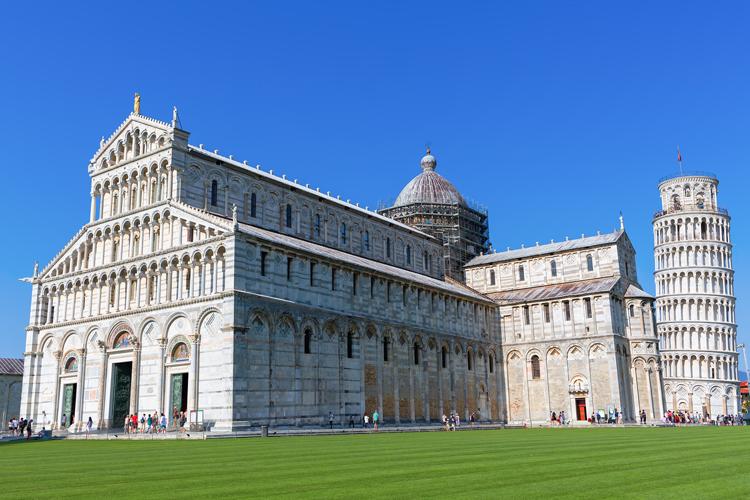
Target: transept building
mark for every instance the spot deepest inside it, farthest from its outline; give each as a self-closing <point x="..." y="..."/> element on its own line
<point x="577" y="330"/>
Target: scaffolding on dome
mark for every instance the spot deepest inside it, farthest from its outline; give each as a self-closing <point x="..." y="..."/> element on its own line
<point x="464" y="231"/>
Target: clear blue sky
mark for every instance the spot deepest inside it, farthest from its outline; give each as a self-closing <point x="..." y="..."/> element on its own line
<point x="556" y="116"/>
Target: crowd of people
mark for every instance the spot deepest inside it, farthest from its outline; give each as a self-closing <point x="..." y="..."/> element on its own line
<point x="17" y="426"/>
<point x="155" y="423"/>
<point x="682" y="417"/>
<point x="364" y="421"/>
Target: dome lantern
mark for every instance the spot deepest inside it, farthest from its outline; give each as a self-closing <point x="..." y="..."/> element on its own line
<point x="429" y="187"/>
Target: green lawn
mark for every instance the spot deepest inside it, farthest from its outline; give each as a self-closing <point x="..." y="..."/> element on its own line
<point x="533" y="463"/>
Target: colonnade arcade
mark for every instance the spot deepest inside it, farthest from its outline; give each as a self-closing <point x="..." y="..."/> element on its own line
<point x="691" y="228"/>
<point x="697" y="338"/>
<point x="705" y="400"/>
<point x="700" y="366"/>
<point x="129" y="238"/>
<point x="716" y="282"/>
<point x="703" y="309"/>
<point x="135" y="143"/>
<point x="693" y="255"/>
<point x="132" y="191"/>
<point x="159" y="281"/>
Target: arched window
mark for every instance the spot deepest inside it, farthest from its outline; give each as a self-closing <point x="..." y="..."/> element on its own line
<point x="366" y="241"/>
<point x="632" y="310"/>
<point x="444" y="357"/>
<point x="553" y="268"/>
<point x="687" y="191"/>
<point x="316" y="226"/>
<point x="425" y="259"/>
<point x="121" y="341"/>
<point x="492" y="277"/>
<point x="521" y="273"/>
<point x="492" y="363"/>
<point x="388" y="248"/>
<point x="214" y="193"/>
<point x="180" y="352"/>
<point x="468" y="360"/>
<point x="536" y="372"/>
<point x="386" y="345"/>
<point x="349" y="345"/>
<point x="416" y="353"/>
<point x="343" y="233"/>
<point x="307" y="341"/>
<point x="253" y="205"/>
<point x="288" y="215"/>
<point x="408" y="254"/>
<point x="71" y="365"/>
<point x="589" y="263"/>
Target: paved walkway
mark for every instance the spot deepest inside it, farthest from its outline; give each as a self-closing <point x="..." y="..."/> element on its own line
<point x="297" y="431"/>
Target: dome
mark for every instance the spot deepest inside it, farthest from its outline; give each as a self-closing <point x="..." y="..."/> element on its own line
<point x="429" y="187"/>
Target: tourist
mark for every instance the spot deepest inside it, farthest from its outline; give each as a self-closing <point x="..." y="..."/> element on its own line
<point x="562" y="417"/>
<point x="330" y="419"/>
<point x="64" y="421"/>
<point x="366" y="421"/>
<point x="149" y="424"/>
<point x="163" y="428"/>
<point x="143" y="423"/>
<point x="375" y="418"/>
<point x="28" y="428"/>
<point x="445" y="422"/>
<point x="21" y="426"/>
<point x="175" y="417"/>
<point x="89" y="425"/>
<point x="553" y="418"/>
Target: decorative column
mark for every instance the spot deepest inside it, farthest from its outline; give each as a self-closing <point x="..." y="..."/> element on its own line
<point x="102" y="384"/>
<point x="379" y="370"/>
<point x="56" y="405"/>
<point x="195" y="341"/>
<point x="439" y="361"/>
<point x="649" y="372"/>
<point x="92" y="211"/>
<point x="135" y="374"/>
<point x="80" y="389"/>
<point x="636" y="392"/>
<point x="161" y="381"/>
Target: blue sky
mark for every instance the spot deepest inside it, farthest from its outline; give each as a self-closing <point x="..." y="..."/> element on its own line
<point x="554" y="115"/>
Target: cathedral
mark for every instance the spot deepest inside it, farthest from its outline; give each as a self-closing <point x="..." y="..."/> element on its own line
<point x="205" y="285"/>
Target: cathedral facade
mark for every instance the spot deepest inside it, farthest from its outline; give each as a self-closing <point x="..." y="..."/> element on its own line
<point x="243" y="298"/>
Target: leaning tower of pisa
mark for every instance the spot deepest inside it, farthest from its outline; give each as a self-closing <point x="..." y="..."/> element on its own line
<point x="695" y="297"/>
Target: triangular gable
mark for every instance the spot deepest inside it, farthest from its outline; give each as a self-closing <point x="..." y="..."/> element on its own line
<point x="178" y="209"/>
<point x="634" y="292"/>
<point x="152" y="129"/>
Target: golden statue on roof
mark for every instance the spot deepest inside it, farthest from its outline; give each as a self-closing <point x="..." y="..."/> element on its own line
<point x="137" y="104"/>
